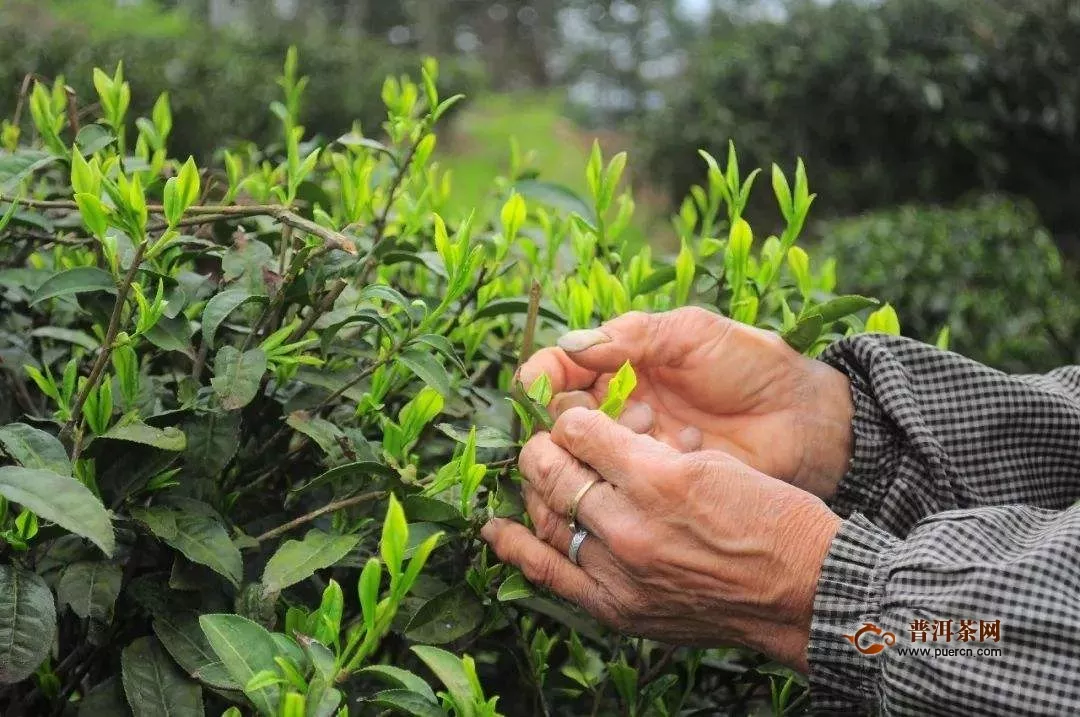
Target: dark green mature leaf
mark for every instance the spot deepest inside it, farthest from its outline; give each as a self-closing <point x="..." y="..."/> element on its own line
<point x="359" y="469"/>
<point x="247" y="258"/>
<point x="74" y="281"/>
<point x="167" y="439"/>
<point x="212" y="441"/>
<point x="450" y="615"/>
<point x="220" y="306"/>
<point x="368" y="317"/>
<point x="443" y="346"/>
<point x="27" y="623"/>
<point x="200" y="537"/>
<point x="503" y="307"/>
<point x="154" y="686"/>
<point x="448" y="668"/>
<point x="237" y="376"/>
<point x="19" y="165"/>
<point x="182" y="636"/>
<point x="90" y="588"/>
<point x="297" y="560"/>
<point x="106" y="699"/>
<point x="557" y="196"/>
<point x="171" y="334"/>
<point x="652" y="282"/>
<point x="323" y="432"/>
<point x="428" y="368"/>
<point x="61" y="499"/>
<point x="34" y="448"/>
<point x="382" y="292"/>
<point x="422" y="508"/>
<point x="407" y="702"/>
<point x="486" y="436"/>
<point x="402" y="679"/>
<point x="71" y="336"/>
<point x="515" y="587"/>
<point x="805" y="332"/>
<point x="841" y="306"/>
<point x="246" y="649"/>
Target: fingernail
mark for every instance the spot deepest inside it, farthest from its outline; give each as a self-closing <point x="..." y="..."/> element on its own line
<point x="487" y="531"/>
<point x="691" y="438"/>
<point x="638" y="417"/>
<point x="574" y="341"/>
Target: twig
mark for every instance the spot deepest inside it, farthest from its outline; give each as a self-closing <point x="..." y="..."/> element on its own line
<point x="72" y="111"/>
<point x="328" y="508"/>
<point x="107" y="344"/>
<point x="528" y="342"/>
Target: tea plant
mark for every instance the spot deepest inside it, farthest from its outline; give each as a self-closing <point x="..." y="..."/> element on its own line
<point x="258" y="411"/>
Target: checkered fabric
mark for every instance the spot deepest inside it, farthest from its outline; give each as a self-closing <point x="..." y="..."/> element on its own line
<point x="959" y="512"/>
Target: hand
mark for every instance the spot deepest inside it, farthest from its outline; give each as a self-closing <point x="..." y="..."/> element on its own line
<point x="684" y="548"/>
<point x="705" y="381"/>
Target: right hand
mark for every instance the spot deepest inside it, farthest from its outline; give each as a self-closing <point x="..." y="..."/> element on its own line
<point x="705" y="381"/>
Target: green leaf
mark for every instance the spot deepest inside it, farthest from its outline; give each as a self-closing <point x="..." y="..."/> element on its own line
<point x="443" y="346"/>
<point x="841" y="306"/>
<point x="486" y="436"/>
<point x="74" y="281"/>
<point x="220" y="306"/>
<point x="154" y="686"/>
<point x="407" y="702"/>
<point x="419" y="507"/>
<point x="33" y="448"/>
<point x="883" y="321"/>
<point x="297" y="560"/>
<point x="246" y="649"/>
<point x="515" y="587"/>
<point x="182" y="636"/>
<point x="620" y="387"/>
<point x="448" y="668"/>
<point x="360" y="469"/>
<point x="27" y="623"/>
<point x="395" y="536"/>
<point x="213" y="439"/>
<point x="400" y="678"/>
<point x="323" y="432"/>
<point x="166" y="439"/>
<point x="106" y="699"/>
<point x="200" y="537"/>
<point x="450" y="615"/>
<point x="504" y="307"/>
<point x="556" y="196"/>
<point x="18" y="166"/>
<point x="368" y="590"/>
<point x="428" y="368"/>
<point x="61" y="499"/>
<point x="90" y="588"/>
<point x="237" y="376"/>
<point x="71" y="336"/>
<point x="799" y="263"/>
<point x="171" y="334"/>
<point x="805" y="332"/>
<point x="93" y="138"/>
<point x="322" y="659"/>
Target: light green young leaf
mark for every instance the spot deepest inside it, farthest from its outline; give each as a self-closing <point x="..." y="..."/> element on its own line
<point x="620" y="387"/>
<point x="799" y="263"/>
<point x="395" y="537"/>
<point x="883" y="321"/>
<point x="540" y="391"/>
<point x="297" y="560"/>
<point x="685" y="268"/>
<point x="449" y="669"/>
<point x="368" y="590"/>
<point x="61" y="499"/>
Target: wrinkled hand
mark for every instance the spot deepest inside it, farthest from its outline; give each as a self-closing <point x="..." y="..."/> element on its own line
<point x="685" y="548"/>
<point x="705" y="381"/>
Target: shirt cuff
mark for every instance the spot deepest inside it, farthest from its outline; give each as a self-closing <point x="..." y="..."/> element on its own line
<point x="876" y="446"/>
<point x="842" y="679"/>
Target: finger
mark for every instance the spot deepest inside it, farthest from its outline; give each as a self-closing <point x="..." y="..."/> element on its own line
<point x="563" y="402"/>
<point x="557" y="477"/>
<point x="619" y="455"/>
<point x="690" y="439"/>
<point x="565" y="375"/>
<point x="542" y="564"/>
<point x="554" y="530"/>
<point x="638" y="417"/>
<point x="645" y="340"/>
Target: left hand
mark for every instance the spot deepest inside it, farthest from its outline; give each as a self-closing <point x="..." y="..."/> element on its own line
<point x="684" y="548"/>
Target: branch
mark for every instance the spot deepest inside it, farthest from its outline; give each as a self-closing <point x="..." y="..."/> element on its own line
<point x="528" y="342"/>
<point x="328" y="508"/>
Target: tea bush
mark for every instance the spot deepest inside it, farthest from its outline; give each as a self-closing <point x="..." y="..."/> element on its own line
<point x="217" y="79"/>
<point x="986" y="269"/>
<point x="258" y="411"/>
<point x="890" y="102"/>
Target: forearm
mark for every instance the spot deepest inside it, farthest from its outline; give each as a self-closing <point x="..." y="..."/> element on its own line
<point x="1011" y="566"/>
<point x="933" y="431"/>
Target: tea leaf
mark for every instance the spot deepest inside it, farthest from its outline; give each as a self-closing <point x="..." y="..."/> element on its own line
<point x="237" y="376"/>
<point x="407" y="702"/>
<point x="297" y="560"/>
<point x="74" y="281"/>
<point x="450" y="615"/>
<point x="167" y="439"/>
<point x="620" y="387"/>
<point x="34" y="448"/>
<point x="401" y="678"/>
<point x="27" y="623"/>
<point x="220" y="306"/>
<point x="200" y="537"/>
<point x="246" y="649"/>
<point x="153" y="685"/>
<point x="884" y="321"/>
<point x="842" y="306"/>
<point x="90" y="588"/>
<point x="61" y="499"/>
<point x="449" y="669"/>
<point x="515" y="587"/>
<point x="428" y="369"/>
<point x="805" y="332"/>
<point x="182" y="636"/>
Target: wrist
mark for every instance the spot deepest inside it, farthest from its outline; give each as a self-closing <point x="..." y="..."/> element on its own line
<point x="827" y="414"/>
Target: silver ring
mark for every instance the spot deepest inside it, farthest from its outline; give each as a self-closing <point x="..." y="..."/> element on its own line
<point x="575" y="545"/>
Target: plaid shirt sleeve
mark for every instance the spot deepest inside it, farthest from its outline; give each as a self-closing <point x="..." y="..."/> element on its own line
<point x="959" y="505"/>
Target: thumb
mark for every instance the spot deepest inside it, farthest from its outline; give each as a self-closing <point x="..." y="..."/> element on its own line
<point x="645" y="340"/>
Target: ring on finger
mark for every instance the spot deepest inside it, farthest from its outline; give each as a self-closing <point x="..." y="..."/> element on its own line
<point x="575" y="545"/>
<point x="572" y="513"/>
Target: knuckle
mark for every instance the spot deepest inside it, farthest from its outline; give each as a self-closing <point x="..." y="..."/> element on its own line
<point x="632" y="548"/>
<point x="547" y="526"/>
<point x="542" y="571"/>
<point x="577" y="425"/>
